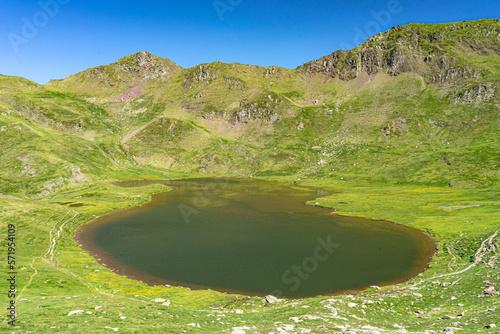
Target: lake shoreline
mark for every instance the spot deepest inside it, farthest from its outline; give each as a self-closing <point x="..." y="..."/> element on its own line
<point x="142" y="277"/>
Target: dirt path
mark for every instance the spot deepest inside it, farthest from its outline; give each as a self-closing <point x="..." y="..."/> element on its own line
<point x="49" y="259"/>
<point x="52" y="245"/>
<point x="478" y="258"/>
<point x="135" y="132"/>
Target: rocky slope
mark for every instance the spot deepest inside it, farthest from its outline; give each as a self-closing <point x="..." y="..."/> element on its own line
<point x="416" y="104"/>
<point x="437" y="52"/>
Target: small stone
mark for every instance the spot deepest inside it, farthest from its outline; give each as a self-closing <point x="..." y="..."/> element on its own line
<point x="158" y="300"/>
<point x="446" y="317"/>
<point x="352" y="304"/>
<point x="490" y="326"/>
<point x="75" y="312"/>
<point x="490" y="291"/>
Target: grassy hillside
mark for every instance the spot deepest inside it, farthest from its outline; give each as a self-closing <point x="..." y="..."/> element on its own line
<point x="403" y="128"/>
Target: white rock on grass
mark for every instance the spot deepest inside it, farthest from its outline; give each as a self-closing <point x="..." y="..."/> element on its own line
<point x="75" y="312"/>
<point x="272" y="300"/>
<point x="311" y="317"/>
<point x="158" y="300"/>
<point x="238" y="330"/>
<point x="114" y="329"/>
<point x="285" y="328"/>
<point x="194" y="325"/>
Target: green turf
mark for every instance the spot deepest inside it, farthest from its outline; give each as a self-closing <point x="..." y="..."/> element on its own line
<point x="414" y="140"/>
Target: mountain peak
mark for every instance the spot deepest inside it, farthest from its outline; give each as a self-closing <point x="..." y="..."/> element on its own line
<point x="143" y="59"/>
<point x="111" y="80"/>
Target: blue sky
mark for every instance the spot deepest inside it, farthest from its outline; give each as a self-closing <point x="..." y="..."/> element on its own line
<point x="51" y="39"/>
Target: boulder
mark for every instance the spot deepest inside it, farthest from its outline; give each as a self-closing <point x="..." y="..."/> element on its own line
<point x="272" y="300"/>
<point x="490" y="291"/>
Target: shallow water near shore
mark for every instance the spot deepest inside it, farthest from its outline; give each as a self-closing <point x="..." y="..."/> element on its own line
<point x="252" y="237"/>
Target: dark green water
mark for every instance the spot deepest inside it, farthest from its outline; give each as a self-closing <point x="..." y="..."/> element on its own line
<point x="255" y="238"/>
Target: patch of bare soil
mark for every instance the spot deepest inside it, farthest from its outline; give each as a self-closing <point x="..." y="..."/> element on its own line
<point x="129" y="94"/>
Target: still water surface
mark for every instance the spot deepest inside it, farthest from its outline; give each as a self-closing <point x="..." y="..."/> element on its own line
<point x="252" y="237"/>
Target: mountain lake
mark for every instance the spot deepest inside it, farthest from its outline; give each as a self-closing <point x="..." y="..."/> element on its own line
<point x="254" y="238"/>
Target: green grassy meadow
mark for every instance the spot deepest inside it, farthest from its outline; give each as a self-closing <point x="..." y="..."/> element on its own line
<point x="413" y="140"/>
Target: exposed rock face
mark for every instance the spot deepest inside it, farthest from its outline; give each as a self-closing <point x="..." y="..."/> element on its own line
<point x="413" y="48"/>
<point x="146" y="64"/>
<point x="252" y="111"/>
<point x="234" y="83"/>
<point x="457" y="74"/>
<point x="270" y="71"/>
<point x="96" y="72"/>
<point x="144" y="59"/>
<point x="395" y="61"/>
<point x="204" y="73"/>
<point x="478" y="93"/>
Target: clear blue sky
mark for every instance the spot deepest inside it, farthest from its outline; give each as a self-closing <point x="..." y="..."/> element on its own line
<point x="52" y="43"/>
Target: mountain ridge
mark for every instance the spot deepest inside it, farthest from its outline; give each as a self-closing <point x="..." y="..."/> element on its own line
<point x="416" y="144"/>
<point x="427" y="100"/>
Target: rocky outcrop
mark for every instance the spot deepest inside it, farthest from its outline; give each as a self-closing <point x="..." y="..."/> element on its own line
<point x="253" y="111"/>
<point x="461" y="73"/>
<point x="396" y="127"/>
<point x="234" y="83"/>
<point x="265" y="109"/>
<point x="95" y="73"/>
<point x="199" y="74"/>
<point x="416" y="48"/>
<point x="204" y="73"/>
<point x="146" y="64"/>
<point x="474" y="94"/>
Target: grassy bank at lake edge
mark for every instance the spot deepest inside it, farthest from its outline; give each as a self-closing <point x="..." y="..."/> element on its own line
<point x="46" y="284"/>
